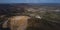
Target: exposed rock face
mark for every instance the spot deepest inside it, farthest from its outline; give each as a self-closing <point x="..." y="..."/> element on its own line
<point x="17" y="22"/>
<point x="23" y="22"/>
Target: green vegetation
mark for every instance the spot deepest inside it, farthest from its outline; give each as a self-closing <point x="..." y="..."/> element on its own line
<point x="35" y="23"/>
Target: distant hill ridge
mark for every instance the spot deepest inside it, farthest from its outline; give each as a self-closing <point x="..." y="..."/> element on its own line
<point x="46" y="4"/>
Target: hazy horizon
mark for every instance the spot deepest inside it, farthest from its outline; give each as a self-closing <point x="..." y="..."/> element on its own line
<point x="29" y="1"/>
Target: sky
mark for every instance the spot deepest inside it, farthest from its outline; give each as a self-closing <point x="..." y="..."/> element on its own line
<point x="29" y="1"/>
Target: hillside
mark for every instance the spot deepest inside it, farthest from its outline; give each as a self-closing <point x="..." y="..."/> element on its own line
<point x="43" y="16"/>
